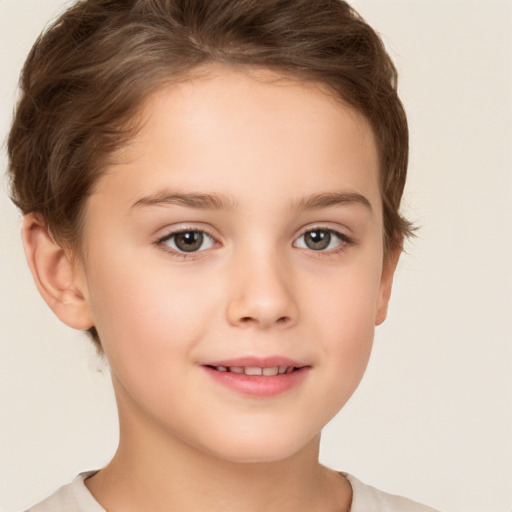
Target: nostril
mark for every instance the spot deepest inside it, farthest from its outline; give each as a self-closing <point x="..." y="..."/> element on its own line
<point x="250" y="319"/>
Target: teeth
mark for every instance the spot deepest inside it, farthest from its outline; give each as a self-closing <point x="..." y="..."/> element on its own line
<point x="254" y="370"/>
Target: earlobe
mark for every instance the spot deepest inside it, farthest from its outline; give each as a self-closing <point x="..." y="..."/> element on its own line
<point x="55" y="275"/>
<point x="386" y="284"/>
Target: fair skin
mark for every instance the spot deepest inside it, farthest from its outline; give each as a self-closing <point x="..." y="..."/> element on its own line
<point x="274" y="188"/>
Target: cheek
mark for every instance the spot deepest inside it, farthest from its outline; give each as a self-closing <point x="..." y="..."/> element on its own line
<point x="147" y="319"/>
<point x="345" y="321"/>
<point x="148" y="311"/>
<point x="346" y="300"/>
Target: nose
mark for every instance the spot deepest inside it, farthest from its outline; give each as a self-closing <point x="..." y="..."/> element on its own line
<point x="261" y="293"/>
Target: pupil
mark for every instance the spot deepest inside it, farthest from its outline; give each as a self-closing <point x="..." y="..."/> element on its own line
<point x="317" y="240"/>
<point x="189" y="241"/>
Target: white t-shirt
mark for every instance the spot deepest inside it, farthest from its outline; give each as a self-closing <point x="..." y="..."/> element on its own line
<point x="75" y="497"/>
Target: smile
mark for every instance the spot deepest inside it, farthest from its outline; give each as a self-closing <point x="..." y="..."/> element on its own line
<point x="256" y="370"/>
<point x="258" y="377"/>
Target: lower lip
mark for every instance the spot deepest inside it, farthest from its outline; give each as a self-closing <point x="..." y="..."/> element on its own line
<point x="259" y="385"/>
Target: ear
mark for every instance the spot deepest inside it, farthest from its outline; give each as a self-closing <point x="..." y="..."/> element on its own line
<point x="60" y="283"/>
<point x="386" y="283"/>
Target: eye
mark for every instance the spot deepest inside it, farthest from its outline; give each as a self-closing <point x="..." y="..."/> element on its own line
<point x="321" y="239"/>
<point x="187" y="241"/>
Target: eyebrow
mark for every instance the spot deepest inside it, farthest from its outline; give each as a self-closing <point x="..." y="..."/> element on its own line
<point x="191" y="200"/>
<point x="217" y="201"/>
<point x="330" y="199"/>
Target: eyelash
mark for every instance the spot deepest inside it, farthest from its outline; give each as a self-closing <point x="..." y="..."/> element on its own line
<point x="344" y="242"/>
<point x="161" y="243"/>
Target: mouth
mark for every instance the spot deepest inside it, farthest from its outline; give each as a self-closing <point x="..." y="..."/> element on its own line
<point x="257" y="377"/>
<point x="264" y="371"/>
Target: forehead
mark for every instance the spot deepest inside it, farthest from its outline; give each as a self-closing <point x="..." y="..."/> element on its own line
<point x="228" y="130"/>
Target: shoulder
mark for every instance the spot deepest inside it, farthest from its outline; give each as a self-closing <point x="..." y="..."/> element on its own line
<point x="73" y="497"/>
<point x="368" y="499"/>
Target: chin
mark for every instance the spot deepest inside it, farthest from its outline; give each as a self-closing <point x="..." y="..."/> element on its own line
<point x="264" y="448"/>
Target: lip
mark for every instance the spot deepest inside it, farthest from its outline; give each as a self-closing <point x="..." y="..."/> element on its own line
<point x="258" y="385"/>
<point x="262" y="362"/>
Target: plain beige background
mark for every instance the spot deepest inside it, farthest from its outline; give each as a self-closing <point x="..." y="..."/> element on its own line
<point x="433" y="417"/>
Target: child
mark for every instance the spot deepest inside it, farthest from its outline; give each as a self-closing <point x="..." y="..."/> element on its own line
<point x="211" y="190"/>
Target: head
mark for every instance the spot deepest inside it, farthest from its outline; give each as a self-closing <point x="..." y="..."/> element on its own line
<point x="93" y="91"/>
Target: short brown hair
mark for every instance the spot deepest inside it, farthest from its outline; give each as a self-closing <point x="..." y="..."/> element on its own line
<point x="88" y="74"/>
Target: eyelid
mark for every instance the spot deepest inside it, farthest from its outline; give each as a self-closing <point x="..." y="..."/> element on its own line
<point x="183" y="227"/>
<point x="345" y="240"/>
<point x="172" y="232"/>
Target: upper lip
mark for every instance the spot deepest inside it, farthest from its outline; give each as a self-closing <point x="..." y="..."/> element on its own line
<point x="257" y="362"/>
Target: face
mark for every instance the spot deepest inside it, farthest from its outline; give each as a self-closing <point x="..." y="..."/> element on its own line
<point x="234" y="264"/>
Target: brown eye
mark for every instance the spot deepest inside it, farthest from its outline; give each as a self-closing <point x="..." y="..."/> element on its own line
<point x="317" y="240"/>
<point x="188" y="241"/>
<point x="322" y="239"/>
